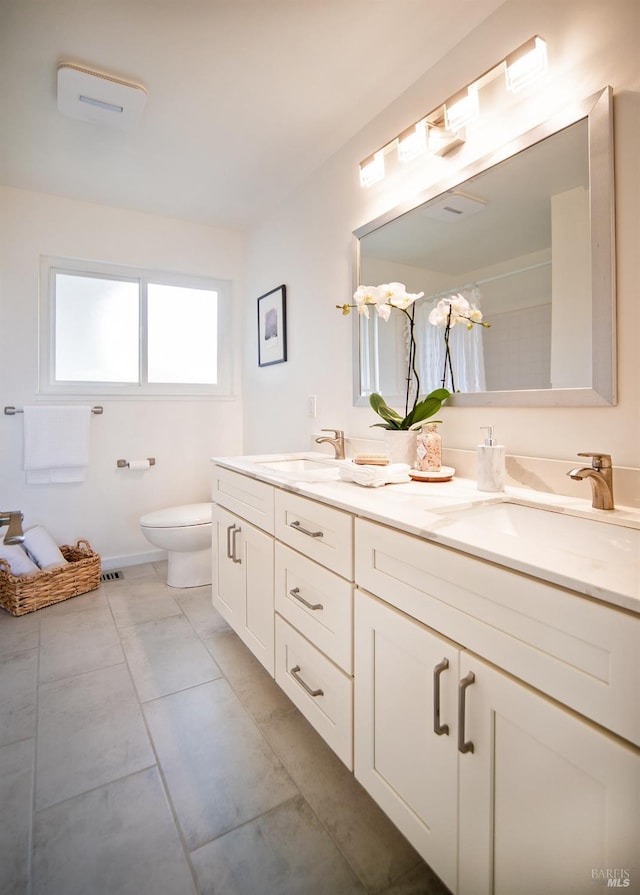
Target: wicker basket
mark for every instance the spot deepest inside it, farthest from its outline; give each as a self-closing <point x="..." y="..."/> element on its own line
<point x="26" y="593"/>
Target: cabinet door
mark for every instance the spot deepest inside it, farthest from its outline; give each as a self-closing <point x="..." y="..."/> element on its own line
<point x="243" y="582"/>
<point x="256" y="552"/>
<point x="400" y="760"/>
<point x="547" y="800"/>
<point x="228" y="576"/>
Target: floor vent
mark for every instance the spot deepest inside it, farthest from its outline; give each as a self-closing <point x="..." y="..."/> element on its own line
<point x="112" y="576"/>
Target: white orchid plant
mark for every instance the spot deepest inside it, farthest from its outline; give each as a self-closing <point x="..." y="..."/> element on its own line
<point x="385" y="298"/>
<point x="448" y="313"/>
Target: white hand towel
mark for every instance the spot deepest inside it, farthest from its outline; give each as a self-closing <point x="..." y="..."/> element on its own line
<point x="42" y="549"/>
<point x="56" y="444"/>
<point x="374" y="476"/>
<point x="18" y="560"/>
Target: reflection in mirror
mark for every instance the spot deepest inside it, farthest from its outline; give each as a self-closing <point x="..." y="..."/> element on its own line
<point x="527" y="236"/>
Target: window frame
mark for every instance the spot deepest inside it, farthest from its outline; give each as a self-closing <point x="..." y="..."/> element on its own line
<point x="49" y="385"/>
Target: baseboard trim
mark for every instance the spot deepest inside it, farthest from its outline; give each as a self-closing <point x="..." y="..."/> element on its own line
<point x="132" y="559"/>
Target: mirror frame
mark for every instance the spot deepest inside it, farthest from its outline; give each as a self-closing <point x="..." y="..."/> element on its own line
<point x="598" y="110"/>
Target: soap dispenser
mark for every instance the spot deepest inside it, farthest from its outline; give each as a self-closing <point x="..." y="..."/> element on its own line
<point x="491" y="468"/>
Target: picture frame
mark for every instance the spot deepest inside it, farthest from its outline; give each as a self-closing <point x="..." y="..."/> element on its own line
<point x="272" y="327"/>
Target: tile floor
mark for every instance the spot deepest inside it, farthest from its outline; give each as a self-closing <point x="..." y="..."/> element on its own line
<point x="144" y="751"/>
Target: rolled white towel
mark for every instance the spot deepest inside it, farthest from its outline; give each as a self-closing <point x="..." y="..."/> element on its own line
<point x="42" y="549"/>
<point x="18" y="560"/>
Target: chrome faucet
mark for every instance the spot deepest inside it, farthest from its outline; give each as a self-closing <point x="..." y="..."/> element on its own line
<point x="337" y="442"/>
<point x="600" y="474"/>
<point x="12" y="518"/>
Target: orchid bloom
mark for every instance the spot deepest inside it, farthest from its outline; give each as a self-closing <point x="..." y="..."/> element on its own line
<point x="365" y="295"/>
<point x="384" y="298"/>
<point x="396" y="295"/>
<point x="455" y="310"/>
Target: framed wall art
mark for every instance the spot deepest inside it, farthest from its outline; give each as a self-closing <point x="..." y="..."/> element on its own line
<point x="272" y="327"/>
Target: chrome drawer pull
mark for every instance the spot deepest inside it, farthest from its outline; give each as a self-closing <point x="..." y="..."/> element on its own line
<point x="295" y="593"/>
<point x="298" y="527"/>
<point x="462" y="687"/>
<point x="295" y="674"/>
<point x="438" y="728"/>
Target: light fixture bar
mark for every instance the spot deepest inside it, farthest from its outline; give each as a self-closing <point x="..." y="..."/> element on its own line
<point x="100" y="103"/>
<point x="443" y="129"/>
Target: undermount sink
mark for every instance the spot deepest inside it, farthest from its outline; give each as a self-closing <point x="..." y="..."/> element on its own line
<point x="300" y="467"/>
<point x="298" y="464"/>
<point x="540" y="531"/>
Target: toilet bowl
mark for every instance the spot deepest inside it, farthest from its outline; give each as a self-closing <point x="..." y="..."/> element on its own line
<point x="185" y="533"/>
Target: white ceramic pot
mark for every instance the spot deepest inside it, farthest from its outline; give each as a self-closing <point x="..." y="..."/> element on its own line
<point x="401" y="445"/>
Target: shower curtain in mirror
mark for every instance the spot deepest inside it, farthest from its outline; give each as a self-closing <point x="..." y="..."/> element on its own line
<point x="465" y="345"/>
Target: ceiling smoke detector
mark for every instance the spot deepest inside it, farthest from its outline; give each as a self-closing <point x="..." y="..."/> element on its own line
<point x="99" y="98"/>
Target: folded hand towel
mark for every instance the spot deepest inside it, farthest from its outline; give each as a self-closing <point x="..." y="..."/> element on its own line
<point x="42" y="549"/>
<point x="374" y="476"/>
<point x="18" y="560"/>
<point x="56" y="443"/>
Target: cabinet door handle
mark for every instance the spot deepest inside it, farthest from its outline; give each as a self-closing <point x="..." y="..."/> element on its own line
<point x="462" y="688"/>
<point x="438" y="728"/>
<point x="229" y="530"/>
<point x="234" y="534"/>
<point x="295" y="593"/>
<point x="295" y="673"/>
<point x="305" y="531"/>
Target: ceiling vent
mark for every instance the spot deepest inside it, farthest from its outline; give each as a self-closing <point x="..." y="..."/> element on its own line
<point x="454" y="207"/>
<point x="99" y="98"/>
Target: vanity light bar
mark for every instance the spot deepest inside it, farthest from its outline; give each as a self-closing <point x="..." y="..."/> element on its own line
<point x="440" y="130"/>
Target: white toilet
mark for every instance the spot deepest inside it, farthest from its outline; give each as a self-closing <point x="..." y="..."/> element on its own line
<point x="185" y="533"/>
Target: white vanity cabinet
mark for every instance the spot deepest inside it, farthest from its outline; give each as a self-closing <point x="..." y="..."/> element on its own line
<point x="500" y="789"/>
<point x="493" y="715"/>
<point x="243" y="560"/>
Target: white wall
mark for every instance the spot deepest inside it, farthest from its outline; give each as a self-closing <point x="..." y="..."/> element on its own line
<point x="306" y="243"/>
<point x="181" y="434"/>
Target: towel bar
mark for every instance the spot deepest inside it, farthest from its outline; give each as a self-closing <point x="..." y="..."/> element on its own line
<point x="11" y="411"/>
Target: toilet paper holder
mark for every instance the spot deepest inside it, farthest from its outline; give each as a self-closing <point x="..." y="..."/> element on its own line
<point x="125" y="463"/>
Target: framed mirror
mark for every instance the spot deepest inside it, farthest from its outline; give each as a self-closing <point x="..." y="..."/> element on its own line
<point x="527" y="235"/>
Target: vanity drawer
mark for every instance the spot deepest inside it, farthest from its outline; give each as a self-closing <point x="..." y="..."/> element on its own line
<point x="322" y="692"/>
<point x="244" y="496"/>
<point x="317" y="530"/>
<point x="576" y="650"/>
<point x="316" y="602"/>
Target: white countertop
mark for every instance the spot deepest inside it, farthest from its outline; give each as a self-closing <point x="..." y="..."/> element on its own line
<point x="425" y="509"/>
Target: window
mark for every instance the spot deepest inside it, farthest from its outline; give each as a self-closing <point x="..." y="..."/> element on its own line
<point x="111" y="330"/>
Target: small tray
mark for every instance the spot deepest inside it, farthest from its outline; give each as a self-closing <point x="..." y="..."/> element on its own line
<point x="444" y="474"/>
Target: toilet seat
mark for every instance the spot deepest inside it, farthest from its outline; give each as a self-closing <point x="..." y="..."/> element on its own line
<point x="179" y="517"/>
